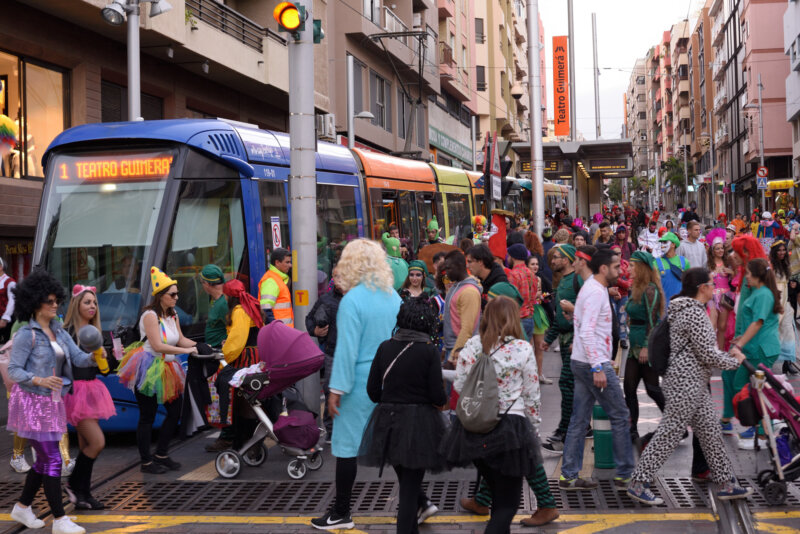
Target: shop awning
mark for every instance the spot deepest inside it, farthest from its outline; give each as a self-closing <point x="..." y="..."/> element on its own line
<point x="780" y="184"/>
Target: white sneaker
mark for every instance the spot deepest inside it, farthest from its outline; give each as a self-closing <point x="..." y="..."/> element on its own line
<point x="746" y="444"/>
<point x="67" y="468"/>
<point x="19" y="464"/>
<point x="65" y="525"/>
<point x="26" y="517"/>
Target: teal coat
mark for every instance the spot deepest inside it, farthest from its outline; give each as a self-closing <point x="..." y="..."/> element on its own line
<point x="366" y="318"/>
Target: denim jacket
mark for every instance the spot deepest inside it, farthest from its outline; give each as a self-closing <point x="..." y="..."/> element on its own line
<point x="32" y="355"/>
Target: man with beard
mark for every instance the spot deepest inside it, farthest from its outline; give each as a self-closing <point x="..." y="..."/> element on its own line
<point x="648" y="240"/>
<point x="595" y="377"/>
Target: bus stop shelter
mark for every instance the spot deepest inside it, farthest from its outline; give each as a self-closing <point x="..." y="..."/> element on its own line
<point x="585" y="165"/>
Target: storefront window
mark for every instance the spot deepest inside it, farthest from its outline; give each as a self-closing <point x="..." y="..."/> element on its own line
<point x="34" y="103"/>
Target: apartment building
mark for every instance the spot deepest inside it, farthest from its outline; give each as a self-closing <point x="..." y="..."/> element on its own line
<point x="676" y="89"/>
<point x="764" y="56"/>
<point x="791" y="45"/>
<point x="636" y="117"/>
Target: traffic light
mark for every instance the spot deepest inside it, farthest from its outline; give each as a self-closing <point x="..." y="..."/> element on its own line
<point x="290" y="18"/>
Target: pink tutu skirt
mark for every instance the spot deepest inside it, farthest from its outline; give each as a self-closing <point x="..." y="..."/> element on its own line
<point x="89" y="399"/>
<point x="35" y="416"/>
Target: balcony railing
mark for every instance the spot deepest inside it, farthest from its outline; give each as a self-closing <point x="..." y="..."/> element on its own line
<point x="721" y="98"/>
<point x="393" y="24"/>
<point x="446" y="55"/>
<point x="721" y="135"/>
<point x="228" y="21"/>
<point x="718" y="68"/>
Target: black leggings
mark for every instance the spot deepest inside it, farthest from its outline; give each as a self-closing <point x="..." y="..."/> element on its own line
<point x="52" y="490"/>
<point x="412" y="498"/>
<point x="147" y="416"/>
<point x="634" y="372"/>
<point x="346" y="470"/>
<point x="506" y="495"/>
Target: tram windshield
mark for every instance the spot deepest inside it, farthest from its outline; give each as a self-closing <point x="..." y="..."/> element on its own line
<point x="99" y="214"/>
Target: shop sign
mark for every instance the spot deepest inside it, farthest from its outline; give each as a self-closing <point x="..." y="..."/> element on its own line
<point x="444" y="142"/>
<point x="561" y="85"/>
<point x="25" y="247"/>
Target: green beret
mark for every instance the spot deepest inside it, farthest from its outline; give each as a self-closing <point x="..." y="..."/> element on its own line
<point x="418" y="265"/>
<point x="568" y="251"/>
<point x="642" y="256"/>
<point x="507" y="290"/>
<point x="212" y="274"/>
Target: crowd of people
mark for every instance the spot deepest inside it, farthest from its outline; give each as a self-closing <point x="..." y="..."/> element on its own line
<point x="408" y="334"/>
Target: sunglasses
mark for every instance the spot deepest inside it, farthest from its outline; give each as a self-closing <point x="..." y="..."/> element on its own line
<point x="173" y="294"/>
<point x="52" y="302"/>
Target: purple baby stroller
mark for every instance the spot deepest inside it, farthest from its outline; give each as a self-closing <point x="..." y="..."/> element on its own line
<point x="288" y="355"/>
<point x="770" y="399"/>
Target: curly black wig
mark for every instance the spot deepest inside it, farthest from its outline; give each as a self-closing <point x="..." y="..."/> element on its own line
<point x="418" y="313"/>
<point x="33" y="291"/>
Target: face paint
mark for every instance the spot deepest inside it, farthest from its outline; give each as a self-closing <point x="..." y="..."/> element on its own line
<point x="664" y="247"/>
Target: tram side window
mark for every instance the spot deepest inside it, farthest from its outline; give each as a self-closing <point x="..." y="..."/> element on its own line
<point x="337" y="223"/>
<point x="425" y="212"/>
<point x="458" y="215"/>
<point x="384" y="211"/>
<point x="273" y="204"/>
<point x="208" y="228"/>
<point x="407" y="218"/>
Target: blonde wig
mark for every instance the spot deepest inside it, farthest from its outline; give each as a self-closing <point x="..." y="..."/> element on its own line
<point x="364" y="262"/>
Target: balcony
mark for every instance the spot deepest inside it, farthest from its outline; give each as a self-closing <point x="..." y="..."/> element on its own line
<point x="447" y="8"/>
<point x="721" y="135"/>
<point x="667" y="61"/>
<point x="660" y="138"/>
<point x="228" y="22"/>
<point x="659" y="116"/>
<point x="446" y="55"/>
<point x="393" y="24"/>
<point x="683" y="87"/>
<point x="658" y="94"/>
<point x="718" y="68"/>
<point x="745" y="146"/>
<point x="720" y="99"/>
<point x="667" y="83"/>
<point x="454" y="79"/>
<point x="669" y="130"/>
<point x="716" y="30"/>
<point x="684" y="113"/>
<point x="668" y="106"/>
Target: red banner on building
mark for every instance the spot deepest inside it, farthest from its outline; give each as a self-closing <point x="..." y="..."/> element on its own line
<point x="561" y="85"/>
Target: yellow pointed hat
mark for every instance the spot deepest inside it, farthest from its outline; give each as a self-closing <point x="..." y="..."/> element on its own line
<point x="160" y="280"/>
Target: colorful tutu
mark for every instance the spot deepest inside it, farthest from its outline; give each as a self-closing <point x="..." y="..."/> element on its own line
<point x="540" y="321"/>
<point x="35" y="416"/>
<point x="151" y="375"/>
<point x="89" y="399"/>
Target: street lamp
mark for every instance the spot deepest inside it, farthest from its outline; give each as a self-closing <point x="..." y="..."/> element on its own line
<point x="351" y="114"/>
<point x="114" y="14"/>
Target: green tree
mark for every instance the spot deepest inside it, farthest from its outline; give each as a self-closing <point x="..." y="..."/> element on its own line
<point x="615" y="190"/>
<point x="674" y="174"/>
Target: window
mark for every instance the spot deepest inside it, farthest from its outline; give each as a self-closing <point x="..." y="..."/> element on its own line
<point x="458" y="216"/>
<point x="36" y="104"/>
<point x="480" y="37"/>
<point x="643" y="115"/>
<point x="480" y="77"/>
<point x="358" y="86"/>
<point x="452" y="42"/>
<point x="403" y="107"/>
<point x="337" y="223"/>
<point x="114" y="104"/>
<point x="381" y="98"/>
<point x="640" y="80"/>
<point x="464" y="62"/>
<point x="421" y="136"/>
<point x="372" y="11"/>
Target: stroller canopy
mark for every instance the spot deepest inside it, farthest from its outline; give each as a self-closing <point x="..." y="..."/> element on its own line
<point x="289" y="355"/>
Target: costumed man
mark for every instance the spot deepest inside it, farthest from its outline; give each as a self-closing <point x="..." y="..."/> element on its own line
<point x="671" y="266"/>
<point x="648" y="240"/>
<point x="273" y="288"/>
<point x="784" y="201"/>
<point x="394" y="257"/>
<point x="766" y="231"/>
<point x="478" y="229"/>
<point x="6" y="302"/>
<point x="432" y="232"/>
<point x="563" y="329"/>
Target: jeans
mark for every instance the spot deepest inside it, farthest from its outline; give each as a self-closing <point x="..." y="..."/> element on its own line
<point x="527" y="328"/>
<point x="622" y="316"/>
<point x="612" y="401"/>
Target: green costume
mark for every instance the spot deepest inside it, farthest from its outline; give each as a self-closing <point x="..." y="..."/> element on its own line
<point x="215" y="326"/>
<point x="765" y="346"/>
<point x="396" y="262"/>
<point x="640" y="319"/>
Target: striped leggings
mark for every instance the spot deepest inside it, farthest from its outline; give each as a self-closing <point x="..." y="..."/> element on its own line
<point x="566" y="382"/>
<point x="537" y="482"/>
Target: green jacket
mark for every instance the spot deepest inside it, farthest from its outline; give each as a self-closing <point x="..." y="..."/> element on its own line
<point x="567" y="290"/>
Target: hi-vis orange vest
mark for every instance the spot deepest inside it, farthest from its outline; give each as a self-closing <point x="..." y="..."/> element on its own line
<point x="282" y="310"/>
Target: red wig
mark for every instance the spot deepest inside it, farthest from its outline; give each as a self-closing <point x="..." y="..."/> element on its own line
<point x="748" y="248"/>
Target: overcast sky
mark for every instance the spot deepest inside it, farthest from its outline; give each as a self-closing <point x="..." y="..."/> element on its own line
<point x="626" y="29"/>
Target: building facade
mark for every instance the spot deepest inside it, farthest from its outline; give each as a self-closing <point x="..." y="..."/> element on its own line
<point x="791" y="45"/>
<point x="636" y="117"/>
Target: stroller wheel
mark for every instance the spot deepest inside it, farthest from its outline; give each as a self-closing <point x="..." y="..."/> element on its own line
<point x="314" y="461"/>
<point x="296" y="469"/>
<point x="256" y="455"/>
<point x="764" y="477"/>
<point x="775" y="492"/>
<point x="228" y="464"/>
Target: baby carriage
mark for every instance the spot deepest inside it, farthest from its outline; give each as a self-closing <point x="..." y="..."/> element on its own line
<point x="770" y="399"/>
<point x="287" y="355"/>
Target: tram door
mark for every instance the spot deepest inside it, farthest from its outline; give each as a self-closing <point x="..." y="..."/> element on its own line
<point x="388" y="206"/>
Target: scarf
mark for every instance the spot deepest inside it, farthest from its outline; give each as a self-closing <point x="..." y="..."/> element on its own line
<point x="249" y="304"/>
<point x="410" y="336"/>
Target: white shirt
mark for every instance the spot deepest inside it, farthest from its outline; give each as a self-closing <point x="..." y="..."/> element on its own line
<point x="9" y="284"/>
<point x="650" y="239"/>
<point x="593" y="341"/>
<point x="695" y="253"/>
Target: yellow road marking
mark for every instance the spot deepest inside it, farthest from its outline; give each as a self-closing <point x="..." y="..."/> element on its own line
<point x="204" y="473"/>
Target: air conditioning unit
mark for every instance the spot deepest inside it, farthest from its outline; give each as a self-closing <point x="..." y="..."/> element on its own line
<point x="326" y="127"/>
<point x="643" y="137"/>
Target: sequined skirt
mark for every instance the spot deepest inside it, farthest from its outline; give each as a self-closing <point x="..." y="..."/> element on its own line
<point x="36" y="416"/>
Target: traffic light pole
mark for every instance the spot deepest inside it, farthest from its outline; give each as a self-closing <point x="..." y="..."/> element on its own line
<point x="535" y="95"/>
<point x="303" y="184"/>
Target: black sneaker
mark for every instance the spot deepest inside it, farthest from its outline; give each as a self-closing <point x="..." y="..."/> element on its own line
<point x="554" y="447"/>
<point x="167" y="462"/>
<point x="557" y="436"/>
<point x="88" y="502"/>
<point x="153" y="468"/>
<point x="332" y="521"/>
<point x="73" y="495"/>
<point x="623" y="343"/>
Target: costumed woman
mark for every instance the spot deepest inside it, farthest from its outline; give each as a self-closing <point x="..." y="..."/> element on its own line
<point x="719" y="266"/>
<point x="414" y="286"/>
<point x="89" y="401"/>
<point x="155" y="375"/>
<point x="541" y="322"/>
<point x="41" y="366"/>
<point x="779" y="258"/>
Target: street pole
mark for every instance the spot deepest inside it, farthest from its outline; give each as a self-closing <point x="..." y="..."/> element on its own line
<point x="685" y="168"/>
<point x="303" y="184"/>
<point x="474" y="146"/>
<point x="535" y="95"/>
<point x="761" y="139"/>
<point x="134" y="72"/>
<point x="596" y="79"/>
<point x="573" y="135"/>
<point x="351" y="99"/>
<point x="713" y="179"/>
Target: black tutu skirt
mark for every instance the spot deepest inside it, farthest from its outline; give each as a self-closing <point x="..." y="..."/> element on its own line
<point x="407" y="435"/>
<point x="512" y="448"/>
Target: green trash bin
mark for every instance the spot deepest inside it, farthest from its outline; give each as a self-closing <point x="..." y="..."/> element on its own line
<point x="603" y="440"/>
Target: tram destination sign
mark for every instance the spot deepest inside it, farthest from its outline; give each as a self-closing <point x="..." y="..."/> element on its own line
<point x="550" y="165"/>
<point x="609" y="164"/>
<point x="110" y="166"/>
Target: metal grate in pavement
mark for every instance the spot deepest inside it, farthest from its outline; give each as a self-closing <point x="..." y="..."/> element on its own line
<point x="9" y="495"/>
<point x="311" y="497"/>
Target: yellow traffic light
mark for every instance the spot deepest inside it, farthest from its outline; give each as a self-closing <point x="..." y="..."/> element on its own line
<point x="288" y="16"/>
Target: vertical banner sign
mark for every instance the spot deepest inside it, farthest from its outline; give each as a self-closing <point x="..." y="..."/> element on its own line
<point x="275" y="223"/>
<point x="561" y="85"/>
<point x="496" y="171"/>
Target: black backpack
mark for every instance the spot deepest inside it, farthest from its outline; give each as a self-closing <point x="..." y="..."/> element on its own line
<point x="658" y="347"/>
